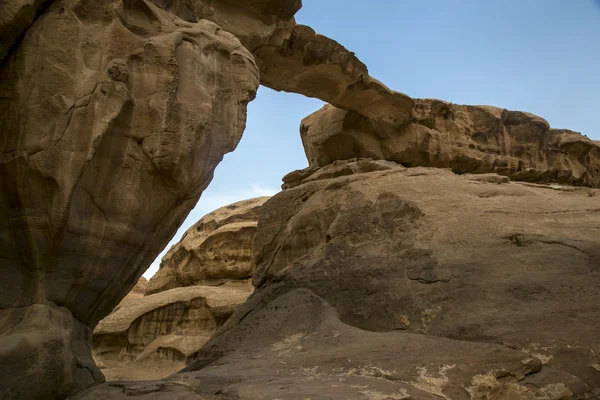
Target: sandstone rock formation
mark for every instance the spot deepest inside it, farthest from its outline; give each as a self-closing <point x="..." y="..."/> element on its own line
<point x="255" y="22"/>
<point x="409" y="283"/>
<point x="217" y="249"/>
<point x="16" y="17"/>
<point x="475" y="139"/>
<point x="138" y="291"/>
<point x="114" y="115"/>
<point x="375" y="281"/>
<point x="150" y="337"/>
<point x="294" y="58"/>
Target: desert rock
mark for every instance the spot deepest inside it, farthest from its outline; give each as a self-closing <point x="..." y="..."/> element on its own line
<point x="255" y="23"/>
<point x="409" y="283"/>
<point x="426" y="251"/>
<point x="294" y="58"/>
<point x="217" y="249"/>
<point x="152" y="336"/>
<point x="467" y="139"/>
<point x="138" y="291"/>
<point x="16" y="17"/>
<point x="106" y="145"/>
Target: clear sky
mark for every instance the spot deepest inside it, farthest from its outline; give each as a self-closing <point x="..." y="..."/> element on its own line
<point x="540" y="56"/>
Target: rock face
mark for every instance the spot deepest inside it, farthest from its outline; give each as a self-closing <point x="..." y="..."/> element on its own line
<point x="294" y="58"/>
<point x="150" y="337"/>
<point x="106" y="145"/>
<point x="410" y="283"/>
<point x="16" y="17"/>
<point x="467" y="139"/>
<point x="217" y="249"/>
<point x="138" y="291"/>
<point x="255" y="22"/>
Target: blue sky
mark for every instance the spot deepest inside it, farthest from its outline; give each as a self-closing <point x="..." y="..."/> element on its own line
<point x="540" y="56"/>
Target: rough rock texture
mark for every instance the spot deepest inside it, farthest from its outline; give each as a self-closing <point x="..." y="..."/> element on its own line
<point x="105" y="145"/>
<point x="294" y="58"/>
<point x="255" y="22"/>
<point x="151" y="337"/>
<point x="44" y="353"/>
<point x="475" y="139"/>
<point x="16" y="17"/>
<point x="317" y="66"/>
<point x="138" y="290"/>
<point x="217" y="249"/>
<point x="410" y="283"/>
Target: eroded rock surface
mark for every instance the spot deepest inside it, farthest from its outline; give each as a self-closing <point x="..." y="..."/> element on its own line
<point x="152" y="336"/>
<point x="114" y="115"/>
<point x="138" y="291"/>
<point x="16" y="17"/>
<point x="467" y="139"/>
<point x="410" y="283"/>
<point x="217" y="249"/>
<point x="294" y="58"/>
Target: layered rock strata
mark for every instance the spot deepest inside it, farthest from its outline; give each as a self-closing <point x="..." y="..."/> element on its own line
<point x="114" y="115"/>
<point x="216" y="249"/>
<point x="378" y="281"/>
<point x="151" y="337"/>
<point x="467" y="139"/>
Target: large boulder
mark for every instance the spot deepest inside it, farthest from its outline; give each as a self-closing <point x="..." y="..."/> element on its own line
<point x="151" y="337"/>
<point x="114" y="115"/>
<point x="467" y="139"/>
<point x="412" y="283"/>
<point x="216" y="249"/>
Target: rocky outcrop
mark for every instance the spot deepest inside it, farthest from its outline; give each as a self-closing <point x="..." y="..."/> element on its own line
<point x="467" y="139"/>
<point x="16" y="17"/>
<point x="410" y="283"/>
<point x="106" y="145"/>
<point x="255" y="22"/>
<point x="317" y="66"/>
<point x="150" y="337"/>
<point x="217" y="249"/>
<point x="138" y="291"/>
<point x="294" y="58"/>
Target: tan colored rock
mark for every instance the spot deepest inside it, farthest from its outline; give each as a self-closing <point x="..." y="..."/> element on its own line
<point x="255" y="22"/>
<point x="16" y="17"/>
<point x="467" y="139"/>
<point x="216" y="249"/>
<point x="294" y="58"/>
<point x="317" y="66"/>
<point x="114" y="116"/>
<point x="138" y="290"/>
<point x="44" y="350"/>
<point x="511" y="266"/>
<point x="151" y="337"/>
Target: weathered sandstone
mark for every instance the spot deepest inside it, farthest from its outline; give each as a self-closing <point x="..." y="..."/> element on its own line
<point x="138" y="291"/>
<point x="16" y="17"/>
<point x="467" y="139"/>
<point x="114" y="115"/>
<point x="410" y="283"/>
<point x="217" y="249"/>
<point x="151" y="337"/>
<point x="294" y="58"/>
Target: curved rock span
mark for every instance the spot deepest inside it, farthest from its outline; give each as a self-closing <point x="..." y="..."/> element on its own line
<point x="216" y="249"/>
<point x="114" y="115"/>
